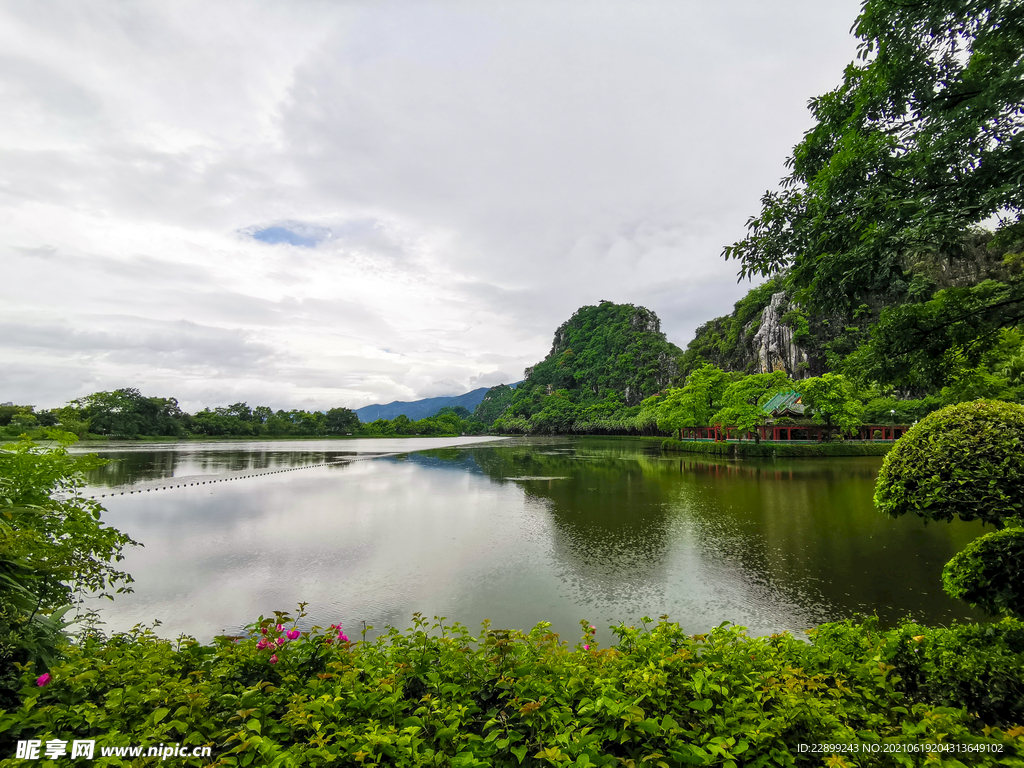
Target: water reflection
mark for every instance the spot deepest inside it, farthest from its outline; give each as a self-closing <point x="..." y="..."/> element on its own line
<point x="771" y="543"/>
<point x="133" y="464"/>
<point x="518" y="532"/>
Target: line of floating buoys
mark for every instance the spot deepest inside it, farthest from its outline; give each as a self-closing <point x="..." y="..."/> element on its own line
<point x="222" y="480"/>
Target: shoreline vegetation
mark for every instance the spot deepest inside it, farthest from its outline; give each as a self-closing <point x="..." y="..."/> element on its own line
<point x="287" y="693"/>
<point x="435" y="694"/>
<point x="737" y="449"/>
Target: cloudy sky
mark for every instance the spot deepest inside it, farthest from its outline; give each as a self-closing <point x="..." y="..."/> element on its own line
<point x="313" y="204"/>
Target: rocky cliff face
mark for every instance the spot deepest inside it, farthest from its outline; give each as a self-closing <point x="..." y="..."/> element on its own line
<point x="773" y="347"/>
<point x="767" y="331"/>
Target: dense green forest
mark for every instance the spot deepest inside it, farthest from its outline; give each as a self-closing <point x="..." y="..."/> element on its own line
<point x="126" y="413"/>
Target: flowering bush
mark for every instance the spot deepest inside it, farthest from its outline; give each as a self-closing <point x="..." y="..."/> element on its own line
<point x="437" y="695"/>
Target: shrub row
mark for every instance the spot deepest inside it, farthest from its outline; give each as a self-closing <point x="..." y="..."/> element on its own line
<point x="435" y="695"/>
<point x="844" y="448"/>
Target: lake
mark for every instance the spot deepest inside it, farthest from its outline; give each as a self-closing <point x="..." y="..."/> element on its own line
<point x="517" y="531"/>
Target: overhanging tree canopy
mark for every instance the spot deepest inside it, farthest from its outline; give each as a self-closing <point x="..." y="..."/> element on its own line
<point x="921" y="143"/>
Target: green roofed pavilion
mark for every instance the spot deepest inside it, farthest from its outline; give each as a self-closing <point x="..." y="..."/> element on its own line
<point x="784" y="401"/>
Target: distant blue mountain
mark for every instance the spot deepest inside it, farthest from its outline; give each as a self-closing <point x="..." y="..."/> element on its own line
<point x="421" y="409"/>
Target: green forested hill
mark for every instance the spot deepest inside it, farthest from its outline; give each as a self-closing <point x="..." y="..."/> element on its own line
<point x="604" y="361"/>
<point x="496" y="401"/>
<point x="887" y="338"/>
<point x="608" y="348"/>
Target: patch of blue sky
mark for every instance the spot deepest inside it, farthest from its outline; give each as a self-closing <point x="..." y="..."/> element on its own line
<point x="289" y="233"/>
<point x="311" y="235"/>
<point x="277" y="235"/>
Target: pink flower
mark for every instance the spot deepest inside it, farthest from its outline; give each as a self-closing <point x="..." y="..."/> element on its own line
<point x="280" y="641"/>
<point x="293" y="634"/>
<point x="263" y="630"/>
<point x="43" y="679"/>
<point x="343" y="637"/>
<point x="586" y="647"/>
<point x="280" y="627"/>
<point x="261" y="645"/>
<point x="273" y="659"/>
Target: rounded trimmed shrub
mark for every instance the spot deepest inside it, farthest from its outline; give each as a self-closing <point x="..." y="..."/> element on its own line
<point x="965" y="460"/>
<point x="989" y="573"/>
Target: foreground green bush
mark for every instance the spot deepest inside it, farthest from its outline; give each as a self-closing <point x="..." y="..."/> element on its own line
<point x="967" y="461"/>
<point x="434" y="695"/>
<point x="963" y="461"/>
<point x="989" y="573"/>
<point x="53" y="548"/>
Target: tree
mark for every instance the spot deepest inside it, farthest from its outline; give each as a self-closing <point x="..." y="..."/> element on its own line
<point x="113" y="413"/>
<point x="646" y="420"/>
<point x="832" y="400"/>
<point x="379" y="427"/>
<point x="53" y="545"/>
<point x="127" y="413"/>
<point x="496" y="401"/>
<point x="220" y="421"/>
<point x="403" y="424"/>
<point x="743" y="401"/>
<point x="307" y="423"/>
<point x="10" y="413"/>
<point x="608" y="347"/>
<point x="558" y="415"/>
<point x="926" y="345"/>
<point x="966" y="461"/>
<point x="458" y="410"/>
<point x="694" y="404"/>
<point x="921" y="143"/>
<point x="447" y="423"/>
<point x="341" y="421"/>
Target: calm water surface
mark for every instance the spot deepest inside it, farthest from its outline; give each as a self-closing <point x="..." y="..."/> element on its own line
<point x="517" y="531"/>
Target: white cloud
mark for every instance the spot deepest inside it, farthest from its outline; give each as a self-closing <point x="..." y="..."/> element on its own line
<point x="456" y="179"/>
